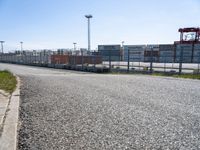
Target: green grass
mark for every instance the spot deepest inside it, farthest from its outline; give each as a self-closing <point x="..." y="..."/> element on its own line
<point x="188" y="76"/>
<point x="8" y="81"/>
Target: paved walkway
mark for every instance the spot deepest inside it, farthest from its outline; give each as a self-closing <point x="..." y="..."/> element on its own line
<point x="4" y="100"/>
<point x="9" y="105"/>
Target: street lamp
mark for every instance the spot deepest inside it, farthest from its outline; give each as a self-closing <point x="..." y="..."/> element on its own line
<point x="122" y="52"/>
<point x="74" y="46"/>
<point x="2" y="46"/>
<point x="21" y="46"/>
<point x="88" y="17"/>
<point x="122" y="43"/>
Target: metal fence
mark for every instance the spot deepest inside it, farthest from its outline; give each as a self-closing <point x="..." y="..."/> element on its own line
<point x="165" y="64"/>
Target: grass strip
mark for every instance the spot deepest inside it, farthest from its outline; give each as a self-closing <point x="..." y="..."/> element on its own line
<point x="8" y="81"/>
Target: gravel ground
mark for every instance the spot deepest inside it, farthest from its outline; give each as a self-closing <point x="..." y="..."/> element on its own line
<point x="73" y="110"/>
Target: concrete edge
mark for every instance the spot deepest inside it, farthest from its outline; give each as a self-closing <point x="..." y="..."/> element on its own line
<point x="8" y="139"/>
<point x="4" y="116"/>
<point x="4" y="93"/>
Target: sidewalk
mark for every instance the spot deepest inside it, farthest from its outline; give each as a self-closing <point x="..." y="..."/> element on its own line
<point x="4" y="100"/>
<point x="9" y="111"/>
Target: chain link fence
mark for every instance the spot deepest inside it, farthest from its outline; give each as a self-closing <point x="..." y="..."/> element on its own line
<point x="167" y="64"/>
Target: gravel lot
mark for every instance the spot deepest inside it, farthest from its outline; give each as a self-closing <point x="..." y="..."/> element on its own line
<point x="72" y="110"/>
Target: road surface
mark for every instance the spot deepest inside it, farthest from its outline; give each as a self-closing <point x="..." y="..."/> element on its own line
<point x="63" y="109"/>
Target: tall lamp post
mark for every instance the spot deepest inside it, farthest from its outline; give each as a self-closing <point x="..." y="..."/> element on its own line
<point x="122" y="44"/>
<point x="74" y="46"/>
<point x="21" y="46"/>
<point x="2" y="46"/>
<point x="122" y="50"/>
<point x="88" y="18"/>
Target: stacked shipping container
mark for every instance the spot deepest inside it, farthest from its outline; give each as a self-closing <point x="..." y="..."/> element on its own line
<point x="59" y="59"/>
<point x="85" y="59"/>
<point x="136" y="52"/>
<point x="110" y="52"/>
<point x="75" y="60"/>
<point x="196" y="58"/>
<point x="186" y="50"/>
<point x="151" y="53"/>
<point x="166" y="53"/>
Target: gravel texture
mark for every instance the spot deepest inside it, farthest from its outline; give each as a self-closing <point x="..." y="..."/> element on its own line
<point x="71" y="110"/>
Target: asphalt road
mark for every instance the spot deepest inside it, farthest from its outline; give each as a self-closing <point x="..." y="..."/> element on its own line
<point x="72" y="110"/>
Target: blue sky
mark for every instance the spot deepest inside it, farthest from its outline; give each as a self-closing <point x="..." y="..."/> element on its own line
<point x="59" y="23"/>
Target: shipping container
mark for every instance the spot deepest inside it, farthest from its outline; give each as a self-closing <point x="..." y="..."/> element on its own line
<point x="187" y="53"/>
<point x="59" y="59"/>
<point x="135" y="52"/>
<point x="151" y="53"/>
<point x="196" y="59"/>
<point x="75" y="60"/>
<point x="112" y="52"/>
<point x="166" y="59"/>
<point x="149" y="59"/>
<point x="166" y="47"/>
<point x="154" y="47"/>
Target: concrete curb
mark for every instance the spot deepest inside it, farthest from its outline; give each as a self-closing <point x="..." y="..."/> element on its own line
<point x="8" y="139"/>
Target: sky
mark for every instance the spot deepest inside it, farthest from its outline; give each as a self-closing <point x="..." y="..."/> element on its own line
<point x="51" y="24"/>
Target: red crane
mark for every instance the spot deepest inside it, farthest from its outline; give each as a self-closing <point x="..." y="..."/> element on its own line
<point x="192" y="35"/>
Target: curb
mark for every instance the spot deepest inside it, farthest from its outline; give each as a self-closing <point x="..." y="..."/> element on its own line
<point x="8" y="139"/>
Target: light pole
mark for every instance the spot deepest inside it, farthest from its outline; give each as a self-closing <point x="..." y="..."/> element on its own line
<point x="151" y="63"/>
<point x="88" y="17"/>
<point x="2" y="46"/>
<point x="122" y="44"/>
<point x="122" y="50"/>
<point x="21" y="46"/>
<point x="74" y="46"/>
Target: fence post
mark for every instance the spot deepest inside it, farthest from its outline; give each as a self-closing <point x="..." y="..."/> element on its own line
<point x="82" y="58"/>
<point x="198" y="65"/>
<point x="165" y="65"/>
<point x="128" y="60"/>
<point x="151" y="63"/>
<point x="94" y="62"/>
<point x="180" y="61"/>
<point x="110" y="60"/>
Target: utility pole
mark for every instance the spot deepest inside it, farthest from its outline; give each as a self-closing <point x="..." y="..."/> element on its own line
<point x="2" y="46"/>
<point x="151" y="63"/>
<point x="128" y="60"/>
<point x="122" y="44"/>
<point x="110" y="60"/>
<point x="122" y="52"/>
<point x="180" y="61"/>
<point x="74" y="46"/>
<point x="88" y="18"/>
<point x="21" y="46"/>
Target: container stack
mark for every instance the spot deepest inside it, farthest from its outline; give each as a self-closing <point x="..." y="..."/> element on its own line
<point x="136" y="53"/>
<point x="186" y="55"/>
<point x="196" y="58"/>
<point x="59" y="59"/>
<point x="151" y="53"/>
<point x="77" y="60"/>
<point x="110" y="52"/>
<point x="166" y="53"/>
